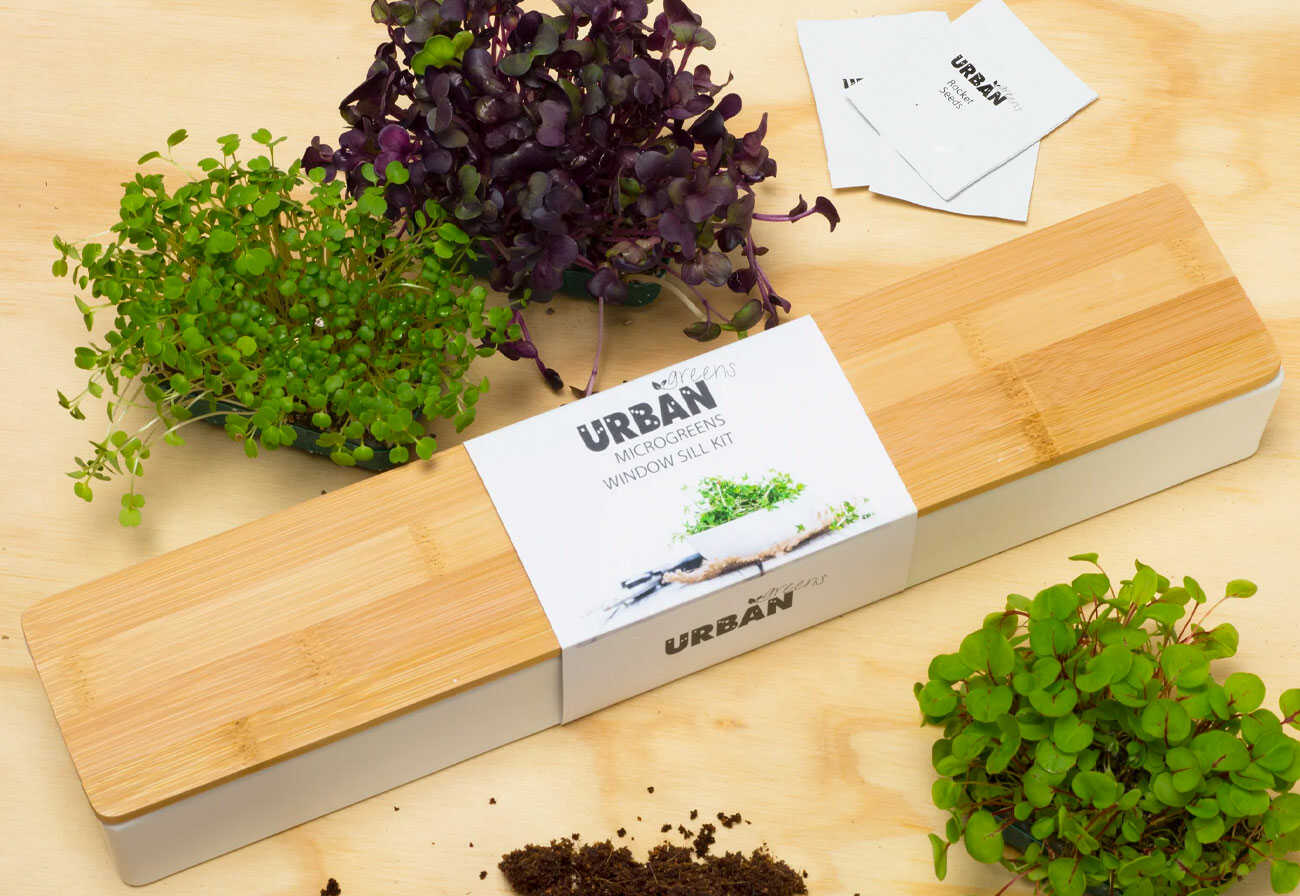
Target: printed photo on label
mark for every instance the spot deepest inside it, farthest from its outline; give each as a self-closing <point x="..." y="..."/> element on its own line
<point x="701" y="476"/>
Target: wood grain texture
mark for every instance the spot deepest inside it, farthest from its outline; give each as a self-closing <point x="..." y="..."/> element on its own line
<point x="220" y="658"/>
<point x="814" y="737"/>
<point x="1049" y="346"/>
<point x="251" y="646"/>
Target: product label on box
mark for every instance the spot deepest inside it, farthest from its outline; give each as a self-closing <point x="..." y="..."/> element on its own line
<point x="693" y="514"/>
<point x="977" y="96"/>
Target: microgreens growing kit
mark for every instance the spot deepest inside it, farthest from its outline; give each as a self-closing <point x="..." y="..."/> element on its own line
<point x="244" y="684"/>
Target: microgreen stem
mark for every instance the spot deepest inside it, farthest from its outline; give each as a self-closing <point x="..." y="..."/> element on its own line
<point x="528" y="337"/>
<point x="600" y="343"/>
<point x="672" y="288"/>
<point x="1010" y="883"/>
<point x="709" y="311"/>
<point x="783" y="219"/>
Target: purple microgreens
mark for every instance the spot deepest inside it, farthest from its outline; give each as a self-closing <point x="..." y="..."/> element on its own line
<point x="586" y="140"/>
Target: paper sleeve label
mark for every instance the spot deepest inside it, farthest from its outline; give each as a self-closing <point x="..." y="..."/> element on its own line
<point x="693" y="514"/>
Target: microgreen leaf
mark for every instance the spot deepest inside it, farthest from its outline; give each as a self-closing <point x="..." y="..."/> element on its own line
<point x="1066" y="876"/>
<point x="1284" y="876"/>
<point x="983" y="837"/>
<point x="1240" y="588"/>
<point x="1245" y="692"/>
<point x="939" y="846"/>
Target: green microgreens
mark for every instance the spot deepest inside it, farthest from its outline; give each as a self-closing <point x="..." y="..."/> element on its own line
<point x="845" y="513"/>
<point x="272" y="290"/>
<point x="1088" y="718"/>
<point x="723" y="500"/>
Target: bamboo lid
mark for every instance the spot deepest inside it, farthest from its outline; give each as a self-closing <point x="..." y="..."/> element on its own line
<point x="246" y="648"/>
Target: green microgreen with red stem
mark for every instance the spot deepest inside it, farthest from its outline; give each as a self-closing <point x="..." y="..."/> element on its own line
<point x="1087" y="718"/>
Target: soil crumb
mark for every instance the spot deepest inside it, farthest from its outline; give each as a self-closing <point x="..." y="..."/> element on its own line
<point x="705" y="840"/>
<point x="566" y="867"/>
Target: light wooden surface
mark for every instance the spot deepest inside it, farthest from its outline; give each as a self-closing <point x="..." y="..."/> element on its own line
<point x="242" y="649"/>
<point x="813" y="737"/>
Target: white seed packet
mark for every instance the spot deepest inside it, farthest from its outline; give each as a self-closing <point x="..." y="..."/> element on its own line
<point x="1002" y="193"/>
<point x="840" y="52"/>
<point x="972" y="100"/>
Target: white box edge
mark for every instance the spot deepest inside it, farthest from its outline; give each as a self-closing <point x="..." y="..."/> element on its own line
<point x="377" y="758"/>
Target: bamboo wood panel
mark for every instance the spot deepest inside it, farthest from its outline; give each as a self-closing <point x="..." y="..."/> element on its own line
<point x="1050" y="345"/>
<point x="285" y="633"/>
<point x="219" y="658"/>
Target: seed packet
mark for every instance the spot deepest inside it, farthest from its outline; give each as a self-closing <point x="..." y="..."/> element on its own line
<point x="1002" y="193"/>
<point x="968" y="102"/>
<point x="840" y="52"/>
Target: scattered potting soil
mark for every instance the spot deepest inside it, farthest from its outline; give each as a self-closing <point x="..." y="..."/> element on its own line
<point x="566" y="867"/>
<point x="705" y="840"/>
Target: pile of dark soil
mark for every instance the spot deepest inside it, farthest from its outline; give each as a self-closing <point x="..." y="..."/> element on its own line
<point x="569" y="867"/>
<point x="565" y="868"/>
